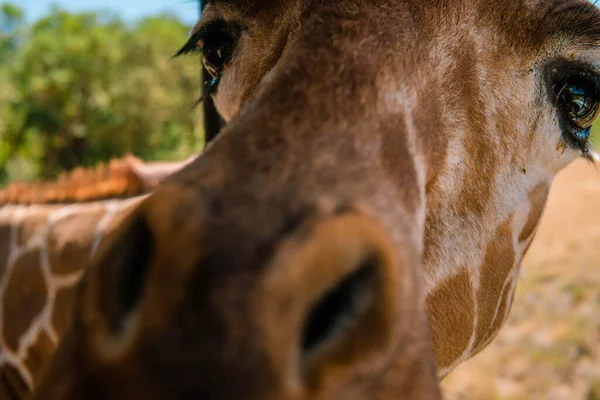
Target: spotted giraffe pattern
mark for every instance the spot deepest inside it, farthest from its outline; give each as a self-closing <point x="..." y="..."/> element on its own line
<point x="43" y="250"/>
<point x="485" y="294"/>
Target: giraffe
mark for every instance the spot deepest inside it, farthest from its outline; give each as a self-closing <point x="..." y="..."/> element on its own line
<point x="43" y="248"/>
<point x="122" y="177"/>
<point x="441" y="124"/>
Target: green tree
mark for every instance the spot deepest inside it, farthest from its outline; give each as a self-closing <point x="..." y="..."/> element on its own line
<point x="11" y="22"/>
<point x="88" y="87"/>
<point x="11" y="31"/>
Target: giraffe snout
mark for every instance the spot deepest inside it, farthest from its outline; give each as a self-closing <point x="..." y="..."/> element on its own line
<point x="187" y="299"/>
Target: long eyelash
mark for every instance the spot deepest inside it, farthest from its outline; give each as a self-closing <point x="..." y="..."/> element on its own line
<point x="588" y="152"/>
<point x="191" y="46"/>
<point x="209" y="88"/>
<point x="583" y="145"/>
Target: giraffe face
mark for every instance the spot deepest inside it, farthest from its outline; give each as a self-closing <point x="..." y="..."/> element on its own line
<point x="441" y="124"/>
<point x="493" y="102"/>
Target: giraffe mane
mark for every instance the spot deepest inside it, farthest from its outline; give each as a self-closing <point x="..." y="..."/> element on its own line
<point x="118" y="178"/>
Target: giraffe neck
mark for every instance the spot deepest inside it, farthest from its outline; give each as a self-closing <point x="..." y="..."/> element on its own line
<point x="43" y="250"/>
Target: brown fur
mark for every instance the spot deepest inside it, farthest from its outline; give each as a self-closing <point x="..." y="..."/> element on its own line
<point x="12" y="384"/>
<point x="40" y="351"/>
<point x="505" y="301"/>
<point x="5" y="244"/>
<point x="497" y="265"/>
<point x="537" y="200"/>
<point x="43" y="250"/>
<point x="119" y="178"/>
<point x="25" y="293"/>
<point x="31" y="226"/>
<point x="70" y="240"/>
<point x="431" y="121"/>
<point x="453" y="339"/>
<point x="63" y="304"/>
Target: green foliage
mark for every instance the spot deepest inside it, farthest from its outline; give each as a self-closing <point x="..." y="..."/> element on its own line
<point x="82" y="88"/>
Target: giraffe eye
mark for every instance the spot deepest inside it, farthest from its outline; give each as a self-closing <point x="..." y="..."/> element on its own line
<point x="217" y="49"/>
<point x="578" y="102"/>
<point x="216" y="42"/>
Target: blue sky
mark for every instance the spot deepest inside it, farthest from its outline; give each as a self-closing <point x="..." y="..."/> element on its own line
<point x="130" y="10"/>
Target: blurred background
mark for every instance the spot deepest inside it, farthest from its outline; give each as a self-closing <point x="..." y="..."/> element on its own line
<point x="83" y="82"/>
<point x="79" y="86"/>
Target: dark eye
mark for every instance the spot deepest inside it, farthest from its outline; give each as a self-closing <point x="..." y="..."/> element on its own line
<point x="217" y="49"/>
<point x="578" y="101"/>
<point x="216" y="41"/>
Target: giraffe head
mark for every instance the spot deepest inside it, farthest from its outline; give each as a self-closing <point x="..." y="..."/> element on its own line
<point x="439" y="125"/>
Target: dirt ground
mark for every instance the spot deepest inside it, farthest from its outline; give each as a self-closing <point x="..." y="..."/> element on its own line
<point x="550" y="347"/>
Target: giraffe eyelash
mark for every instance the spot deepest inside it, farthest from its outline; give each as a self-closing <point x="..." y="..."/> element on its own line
<point x="584" y="146"/>
<point x="209" y="88"/>
<point x="216" y="42"/>
<point x="192" y="45"/>
<point x="588" y="152"/>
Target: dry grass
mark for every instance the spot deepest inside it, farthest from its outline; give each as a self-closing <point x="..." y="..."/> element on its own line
<point x="550" y="347"/>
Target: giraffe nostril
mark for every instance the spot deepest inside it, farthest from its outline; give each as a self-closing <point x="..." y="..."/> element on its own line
<point x="130" y="261"/>
<point x="337" y="284"/>
<point x="340" y="306"/>
<point x="135" y="265"/>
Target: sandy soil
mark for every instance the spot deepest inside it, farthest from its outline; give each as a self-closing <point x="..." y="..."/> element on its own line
<point x="550" y="347"/>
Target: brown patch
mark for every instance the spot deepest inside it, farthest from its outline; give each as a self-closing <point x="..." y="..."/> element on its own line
<point x="537" y="199"/>
<point x="12" y="384"/>
<point x="498" y="321"/>
<point x="497" y="265"/>
<point x="39" y="355"/>
<point x="451" y="326"/>
<point x="70" y="241"/>
<point x="24" y="297"/>
<point x="32" y="224"/>
<point x="5" y="231"/>
<point x="63" y="313"/>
